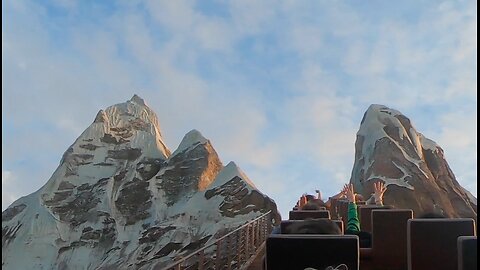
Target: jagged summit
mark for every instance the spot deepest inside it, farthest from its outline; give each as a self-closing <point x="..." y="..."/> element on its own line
<point x="138" y="100"/>
<point x="228" y="173"/>
<point x="376" y="117"/>
<point x="192" y="138"/>
<point x="381" y="122"/>
<point x="131" y="127"/>
<point x="131" y="109"/>
<point x="375" y="108"/>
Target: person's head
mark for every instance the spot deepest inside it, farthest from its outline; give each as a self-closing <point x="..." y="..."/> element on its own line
<point x="309" y="197"/>
<point x="359" y="197"/>
<point x="314" y="226"/>
<point x="311" y="206"/>
<point x="318" y="202"/>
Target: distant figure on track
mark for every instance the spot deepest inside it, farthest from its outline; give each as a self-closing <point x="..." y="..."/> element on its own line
<point x="314" y="226"/>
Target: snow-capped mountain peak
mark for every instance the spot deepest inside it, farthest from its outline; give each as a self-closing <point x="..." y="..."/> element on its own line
<point x="389" y="149"/>
<point x="138" y="100"/>
<point x="228" y="173"/>
<point x="191" y="139"/>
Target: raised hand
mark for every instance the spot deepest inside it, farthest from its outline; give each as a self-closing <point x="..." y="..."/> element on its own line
<point x="379" y="189"/>
<point x="348" y="190"/>
<point x="303" y="200"/>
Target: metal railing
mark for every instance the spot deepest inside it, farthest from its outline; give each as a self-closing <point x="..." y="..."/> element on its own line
<point x="232" y="251"/>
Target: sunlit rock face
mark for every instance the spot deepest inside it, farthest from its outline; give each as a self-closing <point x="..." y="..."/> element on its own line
<point x="418" y="177"/>
<point x="191" y="168"/>
<point x="121" y="200"/>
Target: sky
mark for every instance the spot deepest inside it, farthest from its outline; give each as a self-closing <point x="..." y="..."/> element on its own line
<point x="279" y="87"/>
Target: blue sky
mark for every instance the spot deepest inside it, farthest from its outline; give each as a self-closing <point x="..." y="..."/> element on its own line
<point x="279" y="87"/>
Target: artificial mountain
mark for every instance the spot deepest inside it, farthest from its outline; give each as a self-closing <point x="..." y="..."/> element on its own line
<point x="388" y="148"/>
<point x="121" y="200"/>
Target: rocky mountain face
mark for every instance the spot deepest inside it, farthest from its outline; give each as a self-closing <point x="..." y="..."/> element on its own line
<point x="388" y="148"/>
<point x="121" y="200"/>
